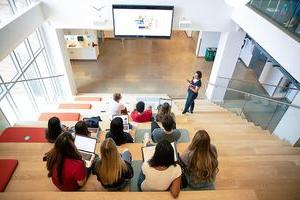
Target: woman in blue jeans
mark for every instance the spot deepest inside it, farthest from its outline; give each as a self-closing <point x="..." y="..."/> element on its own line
<point x="193" y="88"/>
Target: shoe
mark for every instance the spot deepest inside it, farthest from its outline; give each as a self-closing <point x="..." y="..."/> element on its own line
<point x="183" y="112"/>
<point x="191" y="112"/>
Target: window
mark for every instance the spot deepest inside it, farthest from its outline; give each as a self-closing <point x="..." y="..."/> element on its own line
<point x="5" y="11"/>
<point x="27" y="82"/>
<point x="8" y="71"/>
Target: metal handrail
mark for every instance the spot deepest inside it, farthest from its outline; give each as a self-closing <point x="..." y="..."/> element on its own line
<point x="250" y="94"/>
<point x="32" y="79"/>
<point x="258" y="83"/>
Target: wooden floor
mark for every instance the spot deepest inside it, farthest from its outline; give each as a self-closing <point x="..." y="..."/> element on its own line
<point x="253" y="164"/>
<point x="142" y="66"/>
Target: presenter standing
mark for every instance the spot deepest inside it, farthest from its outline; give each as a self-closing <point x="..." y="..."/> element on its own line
<point x="193" y="88"/>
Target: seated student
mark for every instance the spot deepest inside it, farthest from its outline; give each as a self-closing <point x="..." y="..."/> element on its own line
<point x="163" y="110"/>
<point x="82" y="129"/>
<point x="167" y="133"/>
<point x="201" y="161"/>
<point x="115" y="107"/>
<point x="64" y="164"/>
<point x="140" y="114"/>
<point x="116" y="132"/>
<point x="113" y="169"/>
<point x="55" y="128"/>
<point x="161" y="172"/>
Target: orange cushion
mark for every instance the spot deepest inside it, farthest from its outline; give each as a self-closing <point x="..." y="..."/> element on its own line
<point x="61" y="116"/>
<point x="7" y="168"/>
<point x="74" y="106"/>
<point x="23" y="134"/>
<point x="88" y="99"/>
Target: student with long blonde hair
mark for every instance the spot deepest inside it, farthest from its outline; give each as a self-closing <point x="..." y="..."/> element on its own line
<point x="113" y="170"/>
<point x="201" y="162"/>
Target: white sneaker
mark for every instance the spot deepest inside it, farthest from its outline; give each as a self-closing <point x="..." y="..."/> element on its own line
<point x="146" y="139"/>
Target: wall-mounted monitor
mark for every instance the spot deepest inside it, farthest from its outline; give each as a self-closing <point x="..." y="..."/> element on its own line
<point x="142" y="21"/>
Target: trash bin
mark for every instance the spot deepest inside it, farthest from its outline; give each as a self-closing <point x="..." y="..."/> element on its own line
<point x="210" y="54"/>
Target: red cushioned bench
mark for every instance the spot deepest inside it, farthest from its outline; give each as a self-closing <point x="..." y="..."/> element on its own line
<point x="7" y="168"/>
<point x="23" y="134"/>
<point x="74" y="106"/>
<point x="61" y="116"/>
<point x="88" y="99"/>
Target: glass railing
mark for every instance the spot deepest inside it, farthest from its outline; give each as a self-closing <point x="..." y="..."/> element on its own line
<point x="259" y="109"/>
<point x="284" y="92"/>
<point x="285" y="13"/>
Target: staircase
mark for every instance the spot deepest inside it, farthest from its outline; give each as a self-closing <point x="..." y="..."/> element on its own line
<point x="253" y="164"/>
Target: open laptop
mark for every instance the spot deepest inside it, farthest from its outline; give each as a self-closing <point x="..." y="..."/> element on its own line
<point x="125" y="122"/>
<point x="163" y="100"/>
<point x="148" y="152"/>
<point x="86" y="146"/>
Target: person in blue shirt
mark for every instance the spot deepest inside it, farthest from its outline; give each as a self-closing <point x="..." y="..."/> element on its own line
<point x="193" y="88"/>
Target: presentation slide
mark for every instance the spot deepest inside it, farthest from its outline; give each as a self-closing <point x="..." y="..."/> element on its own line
<point x="142" y="22"/>
<point x="85" y="143"/>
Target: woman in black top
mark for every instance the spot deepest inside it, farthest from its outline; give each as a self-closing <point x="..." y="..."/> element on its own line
<point x="113" y="170"/>
<point x="193" y="89"/>
<point x="116" y="132"/>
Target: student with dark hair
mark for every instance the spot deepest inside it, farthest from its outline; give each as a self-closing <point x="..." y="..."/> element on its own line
<point x="168" y="132"/>
<point x="113" y="170"/>
<point x="55" y="128"/>
<point x="201" y="160"/>
<point x="116" y="132"/>
<point x="193" y="88"/>
<point x="140" y="114"/>
<point x="81" y="128"/>
<point x="163" y="110"/>
<point x="161" y="172"/>
<point x="64" y="164"/>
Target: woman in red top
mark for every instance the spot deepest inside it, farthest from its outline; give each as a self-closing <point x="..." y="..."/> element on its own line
<point x="64" y="164"/>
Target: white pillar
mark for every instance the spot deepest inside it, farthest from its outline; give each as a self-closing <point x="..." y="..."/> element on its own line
<point x="289" y="127"/>
<point x="60" y="58"/>
<point x="228" y="51"/>
<point x="208" y="39"/>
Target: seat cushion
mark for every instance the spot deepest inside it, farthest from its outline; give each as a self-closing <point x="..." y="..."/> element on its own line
<point x="61" y="116"/>
<point x="7" y="168"/>
<point x="74" y="106"/>
<point x="88" y="99"/>
<point x="23" y="134"/>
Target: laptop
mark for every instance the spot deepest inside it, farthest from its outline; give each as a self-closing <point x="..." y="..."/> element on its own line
<point x="86" y="147"/>
<point x="148" y="152"/>
<point x="163" y="100"/>
<point x="125" y="122"/>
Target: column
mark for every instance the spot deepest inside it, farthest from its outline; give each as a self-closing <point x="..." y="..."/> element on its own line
<point x="228" y="52"/>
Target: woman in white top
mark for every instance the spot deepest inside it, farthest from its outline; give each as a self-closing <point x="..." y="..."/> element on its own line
<point x="115" y="107"/>
<point x="161" y="173"/>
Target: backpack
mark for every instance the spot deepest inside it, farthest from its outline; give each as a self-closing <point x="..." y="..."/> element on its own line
<point x="92" y="122"/>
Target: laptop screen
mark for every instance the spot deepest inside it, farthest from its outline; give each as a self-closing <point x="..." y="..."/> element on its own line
<point x="124" y="118"/>
<point x="85" y="143"/>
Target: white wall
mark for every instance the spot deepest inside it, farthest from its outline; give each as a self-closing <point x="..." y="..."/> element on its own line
<point x="270" y="76"/>
<point x="213" y="15"/>
<point x="289" y="126"/>
<point x="247" y="52"/>
<point x="19" y="28"/>
<point x="284" y="49"/>
<point x="59" y="55"/>
<point x="225" y="61"/>
<point x="208" y="39"/>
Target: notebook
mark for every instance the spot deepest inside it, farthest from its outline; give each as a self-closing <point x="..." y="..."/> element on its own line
<point x="86" y="147"/>
<point x="148" y="152"/>
<point x="125" y="122"/>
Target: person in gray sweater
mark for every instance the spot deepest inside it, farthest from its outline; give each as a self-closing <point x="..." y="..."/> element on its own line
<point x="168" y="132"/>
